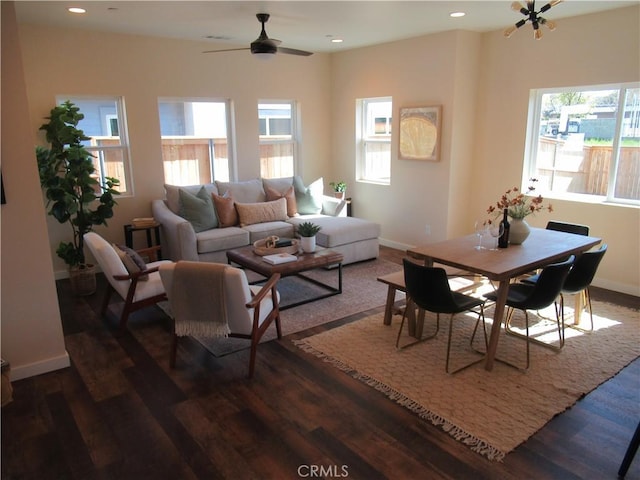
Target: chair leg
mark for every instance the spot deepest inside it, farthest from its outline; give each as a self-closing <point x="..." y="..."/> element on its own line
<point x="420" y="340"/>
<point x="480" y="316"/>
<point x="529" y="338"/>
<point x="587" y="301"/>
<point x="526" y="337"/>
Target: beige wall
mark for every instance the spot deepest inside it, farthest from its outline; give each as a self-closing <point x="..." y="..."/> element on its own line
<point x="32" y="340"/>
<point x="142" y="69"/>
<point x="587" y="50"/>
<point x="482" y="82"/>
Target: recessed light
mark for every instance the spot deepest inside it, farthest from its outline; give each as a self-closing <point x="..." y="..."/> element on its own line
<point x="457" y="14"/>
<point x="76" y="10"/>
<point x="336" y="40"/>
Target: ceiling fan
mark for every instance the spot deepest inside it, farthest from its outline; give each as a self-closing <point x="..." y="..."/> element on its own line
<point x="263" y="45"/>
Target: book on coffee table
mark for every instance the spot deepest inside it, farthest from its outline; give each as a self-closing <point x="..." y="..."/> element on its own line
<point x="278" y="258"/>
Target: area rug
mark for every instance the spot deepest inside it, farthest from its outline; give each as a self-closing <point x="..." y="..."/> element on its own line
<point x="360" y="291"/>
<point x="491" y="412"/>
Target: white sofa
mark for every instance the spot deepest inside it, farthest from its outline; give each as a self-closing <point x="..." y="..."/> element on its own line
<point x="185" y="239"/>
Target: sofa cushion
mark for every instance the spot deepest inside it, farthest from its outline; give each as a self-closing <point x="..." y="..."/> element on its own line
<point x="218" y="239"/>
<point x="250" y="213"/>
<point x="225" y="210"/>
<point x="279" y="184"/>
<point x="250" y="191"/>
<point x="172" y="194"/>
<point x="288" y="194"/>
<point x="260" y="231"/>
<point x="198" y="209"/>
<point x="308" y="199"/>
<point x="336" y="231"/>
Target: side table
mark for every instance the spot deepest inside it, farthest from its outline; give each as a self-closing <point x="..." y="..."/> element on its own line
<point x="128" y="235"/>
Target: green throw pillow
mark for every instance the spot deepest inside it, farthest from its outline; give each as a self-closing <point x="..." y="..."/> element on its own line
<point x="309" y="199"/>
<point x="198" y="209"/>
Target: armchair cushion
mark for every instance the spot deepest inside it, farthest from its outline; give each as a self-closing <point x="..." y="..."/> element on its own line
<point x="198" y="209"/>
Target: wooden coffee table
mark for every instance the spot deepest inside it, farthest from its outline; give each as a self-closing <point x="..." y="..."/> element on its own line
<point x="244" y="257"/>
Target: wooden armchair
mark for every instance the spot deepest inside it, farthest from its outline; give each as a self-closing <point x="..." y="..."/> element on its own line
<point x="139" y="287"/>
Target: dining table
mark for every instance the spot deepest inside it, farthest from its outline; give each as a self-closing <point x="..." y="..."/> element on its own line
<point x="503" y="265"/>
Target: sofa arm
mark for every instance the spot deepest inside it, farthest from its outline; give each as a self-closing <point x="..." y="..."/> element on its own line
<point x="179" y="238"/>
<point x="333" y="206"/>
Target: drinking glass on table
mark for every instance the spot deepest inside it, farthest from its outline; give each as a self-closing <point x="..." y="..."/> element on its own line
<point x="496" y="230"/>
<point x="481" y="229"/>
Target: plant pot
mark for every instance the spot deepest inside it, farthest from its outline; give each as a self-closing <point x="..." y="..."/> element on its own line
<point x="308" y="244"/>
<point x="83" y="279"/>
<point x="518" y="231"/>
<point x="339" y="195"/>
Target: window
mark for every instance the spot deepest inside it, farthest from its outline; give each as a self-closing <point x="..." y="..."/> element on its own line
<point x="373" y="136"/>
<point x="584" y="142"/>
<point x="195" y="142"/>
<point x="278" y="139"/>
<point x="104" y="121"/>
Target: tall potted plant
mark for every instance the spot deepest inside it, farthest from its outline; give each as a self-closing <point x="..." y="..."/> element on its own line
<point x="74" y="195"/>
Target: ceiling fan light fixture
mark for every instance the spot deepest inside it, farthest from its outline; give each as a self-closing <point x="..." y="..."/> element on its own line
<point x="533" y="17"/>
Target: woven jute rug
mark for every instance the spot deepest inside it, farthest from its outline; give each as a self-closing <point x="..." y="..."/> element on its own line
<point x="491" y="412"/>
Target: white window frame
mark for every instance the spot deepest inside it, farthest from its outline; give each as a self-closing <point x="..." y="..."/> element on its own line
<point x="365" y="136"/>
<point x="126" y="184"/>
<point x="231" y="163"/>
<point x="533" y="134"/>
<point x="292" y="139"/>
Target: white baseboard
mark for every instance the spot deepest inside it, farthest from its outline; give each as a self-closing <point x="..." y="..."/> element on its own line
<point x="44" y="366"/>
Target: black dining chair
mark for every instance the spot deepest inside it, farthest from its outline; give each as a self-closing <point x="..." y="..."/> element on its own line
<point x="579" y="280"/>
<point x="566" y="227"/>
<point x="428" y="288"/>
<point x="541" y="294"/>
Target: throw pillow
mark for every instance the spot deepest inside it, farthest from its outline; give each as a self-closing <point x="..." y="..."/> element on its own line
<point x="225" y="209"/>
<point x="309" y="199"/>
<point x="172" y="194"/>
<point x="131" y="260"/>
<point x="198" y="209"/>
<point x="289" y="195"/>
<point x="251" y="213"/>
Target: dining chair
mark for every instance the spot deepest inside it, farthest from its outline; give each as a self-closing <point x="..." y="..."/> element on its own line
<point x="579" y="280"/>
<point x="211" y="300"/>
<point x="428" y="288"/>
<point x="536" y="296"/>
<point x="567" y="227"/>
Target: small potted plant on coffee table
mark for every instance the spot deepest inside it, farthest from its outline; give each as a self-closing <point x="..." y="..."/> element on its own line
<point x="307" y="232"/>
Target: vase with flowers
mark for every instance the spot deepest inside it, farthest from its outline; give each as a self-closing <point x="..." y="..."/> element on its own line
<point x="518" y="206"/>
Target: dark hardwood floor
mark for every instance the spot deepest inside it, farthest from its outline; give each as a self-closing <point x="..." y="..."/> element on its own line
<point x="120" y="412"/>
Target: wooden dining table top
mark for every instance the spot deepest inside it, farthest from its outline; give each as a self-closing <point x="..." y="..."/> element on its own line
<point x="540" y="248"/>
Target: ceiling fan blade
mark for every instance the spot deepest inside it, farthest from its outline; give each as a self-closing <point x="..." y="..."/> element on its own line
<point x="293" y="51"/>
<point x="226" y="50"/>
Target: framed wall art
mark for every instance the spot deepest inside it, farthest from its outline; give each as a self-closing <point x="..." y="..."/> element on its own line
<point x="420" y="133"/>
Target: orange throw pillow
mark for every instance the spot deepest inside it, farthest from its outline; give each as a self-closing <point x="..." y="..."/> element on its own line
<point x="225" y="210"/>
<point x="289" y="196"/>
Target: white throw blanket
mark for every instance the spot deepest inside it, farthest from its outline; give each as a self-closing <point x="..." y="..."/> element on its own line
<point x="198" y="300"/>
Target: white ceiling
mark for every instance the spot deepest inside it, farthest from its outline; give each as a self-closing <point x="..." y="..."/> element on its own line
<point x="307" y="25"/>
